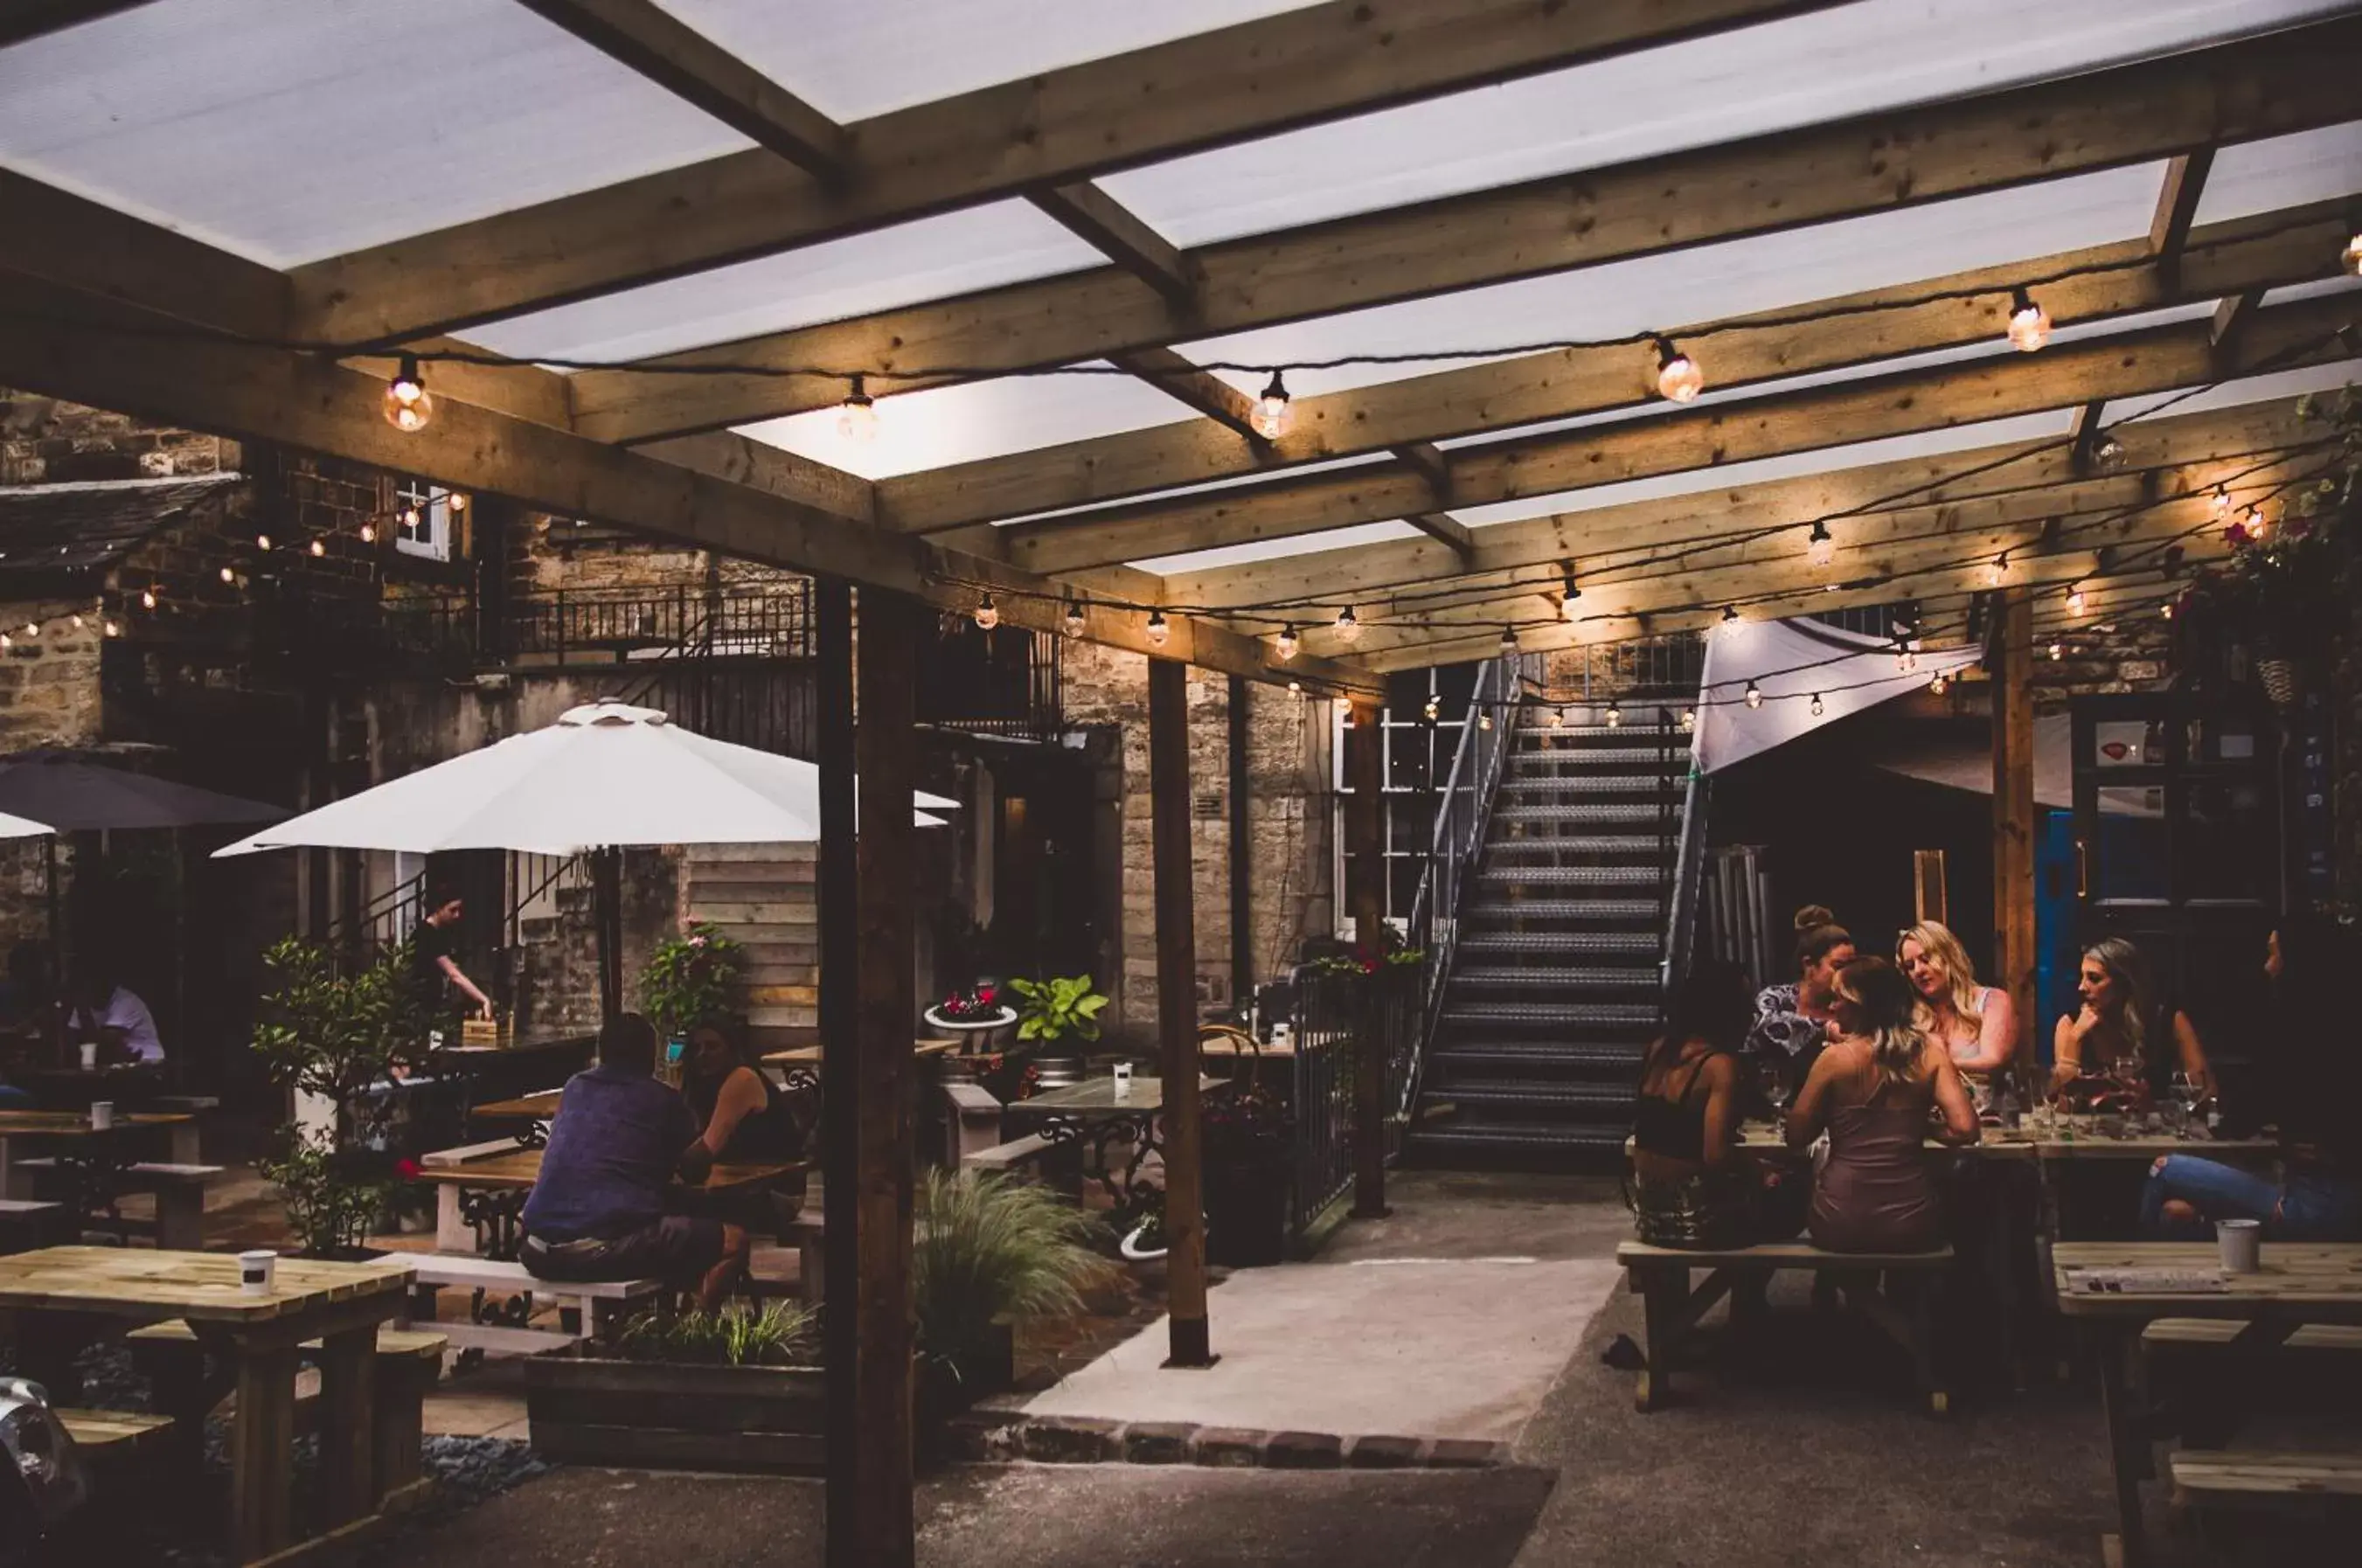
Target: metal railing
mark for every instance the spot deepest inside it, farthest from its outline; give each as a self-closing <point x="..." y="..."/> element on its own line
<point x="1008" y="682"/>
<point x="1333" y="1013"/>
<point x="1462" y="807"/>
<point x="379" y="923"/>
<point x="1672" y="663"/>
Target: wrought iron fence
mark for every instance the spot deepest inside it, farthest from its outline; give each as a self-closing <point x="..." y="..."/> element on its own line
<point x="1664" y="665"/>
<point x="1333" y="1013"/>
<point x="1007" y="681"/>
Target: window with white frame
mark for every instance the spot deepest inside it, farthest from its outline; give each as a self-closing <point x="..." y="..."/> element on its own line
<point x="1415" y="764"/>
<point x="422" y="519"/>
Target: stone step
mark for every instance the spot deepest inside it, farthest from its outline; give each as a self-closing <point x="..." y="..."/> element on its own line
<point x="765" y="854"/>
<point x="783" y="914"/>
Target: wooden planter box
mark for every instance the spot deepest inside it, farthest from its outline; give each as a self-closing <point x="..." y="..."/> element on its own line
<point x="587" y="1410"/>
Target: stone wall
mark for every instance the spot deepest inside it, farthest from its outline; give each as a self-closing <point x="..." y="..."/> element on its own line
<point x="46" y="441"/>
<point x="1290" y="810"/>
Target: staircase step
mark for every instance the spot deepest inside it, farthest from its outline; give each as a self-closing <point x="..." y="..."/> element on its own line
<point x="1642" y="812"/>
<point x="1557" y="979"/>
<point x="1495" y="908"/>
<point x="1482" y="943"/>
<point x="1540" y="1093"/>
<point x="1598" y="737"/>
<point x="1535" y="1056"/>
<point x="1638" y="1015"/>
<point x="1568" y="1136"/>
<point x="1574" y="876"/>
<point x="1576" y="783"/>
<point x="1577" y="843"/>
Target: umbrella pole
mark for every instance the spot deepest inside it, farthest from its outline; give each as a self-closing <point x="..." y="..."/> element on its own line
<point x="57" y="946"/>
<point x="607" y="916"/>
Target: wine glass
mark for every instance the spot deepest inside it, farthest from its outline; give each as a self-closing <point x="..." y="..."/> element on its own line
<point x="2185" y="1090"/>
<point x="1774" y="1077"/>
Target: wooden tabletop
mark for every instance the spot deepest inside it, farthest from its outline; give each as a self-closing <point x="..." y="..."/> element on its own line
<point x="1228" y="1045"/>
<point x="524" y="1108"/>
<point x="2323" y="1280"/>
<point x="516" y="1170"/>
<point x="1097" y="1097"/>
<point x="535" y="1041"/>
<point x="2080" y="1143"/>
<point x="74" y="1124"/>
<point x="809" y="1055"/>
<point x="140" y="1282"/>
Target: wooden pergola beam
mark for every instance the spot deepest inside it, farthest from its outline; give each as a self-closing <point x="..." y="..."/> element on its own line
<point x="650" y="40"/>
<point x="1174" y="375"/>
<point x="2157" y="360"/>
<point x="2176" y="207"/>
<point x="67" y="344"/>
<point x="2088" y="432"/>
<point x="1318" y="63"/>
<point x="2233" y="314"/>
<point x="2288" y="81"/>
<point x="1112" y="229"/>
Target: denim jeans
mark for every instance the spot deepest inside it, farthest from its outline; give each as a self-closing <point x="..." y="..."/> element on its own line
<point x="2310" y="1208"/>
<point x="13" y="1099"/>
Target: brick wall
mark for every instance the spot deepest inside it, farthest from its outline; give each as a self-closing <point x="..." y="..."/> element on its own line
<point x="46" y="441"/>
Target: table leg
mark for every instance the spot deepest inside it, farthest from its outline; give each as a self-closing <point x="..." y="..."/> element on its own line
<point x="347" y="1420"/>
<point x="186" y="1146"/>
<point x="452" y="1232"/>
<point x="11" y="1185"/>
<point x="1664" y="1291"/>
<point x="262" y="1450"/>
<point x="2127" y="1444"/>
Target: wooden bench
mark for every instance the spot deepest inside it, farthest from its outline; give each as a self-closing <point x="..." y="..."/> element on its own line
<point x="2215" y="1332"/>
<point x="1671" y="1310"/>
<point x="179" y="1193"/>
<point x="110" y="1435"/>
<point x="1015" y="1154"/>
<point x="408" y="1362"/>
<point x="27" y="1225"/>
<point x="584" y="1305"/>
<point x="2230" y="1477"/>
<point x="809" y="1233"/>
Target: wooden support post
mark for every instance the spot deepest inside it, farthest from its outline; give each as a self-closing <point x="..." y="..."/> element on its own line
<point x="1177" y="1011"/>
<point x="1242" y="868"/>
<point x="1928" y="891"/>
<point x="840" y="1054"/>
<point x="1366" y="843"/>
<point x="2013" y="811"/>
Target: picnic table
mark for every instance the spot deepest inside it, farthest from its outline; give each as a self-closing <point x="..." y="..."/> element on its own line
<point x="56" y="1293"/>
<point x="1092" y="1115"/>
<point x="483" y="1191"/>
<point x="72" y="1127"/>
<point x="2111" y="1289"/>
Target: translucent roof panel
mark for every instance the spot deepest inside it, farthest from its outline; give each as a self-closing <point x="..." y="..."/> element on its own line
<point x="851" y="61"/>
<point x="2285" y="171"/>
<point x="1856" y="59"/>
<point x="288" y="132"/>
<point x="931" y="258"/>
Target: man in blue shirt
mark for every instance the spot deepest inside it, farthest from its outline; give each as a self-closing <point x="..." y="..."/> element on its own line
<point x="597" y="1211"/>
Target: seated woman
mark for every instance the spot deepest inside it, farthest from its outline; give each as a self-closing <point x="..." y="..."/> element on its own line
<point x="2122" y="1022"/>
<point x="2314" y="1083"/>
<point x="1792" y="1021"/>
<point x="743" y="1116"/>
<point x="1695" y="1187"/>
<point x="1871" y="1090"/>
<point x="1977" y="1024"/>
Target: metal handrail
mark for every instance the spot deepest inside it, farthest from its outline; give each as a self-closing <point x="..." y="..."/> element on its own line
<point x="1462" y="813"/>
<point x="1684" y="854"/>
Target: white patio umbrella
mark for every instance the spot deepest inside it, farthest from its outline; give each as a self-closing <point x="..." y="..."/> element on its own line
<point x="605" y="776"/>
<point x="22" y="827"/>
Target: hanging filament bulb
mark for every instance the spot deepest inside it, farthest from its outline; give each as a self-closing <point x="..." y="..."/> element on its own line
<point x="1284" y="645"/>
<point x="32" y="628"/>
<point x="1072" y="623"/>
<point x="1689" y="720"/>
<point x="146" y="599"/>
<point x="1754" y="695"/>
<point x="319" y="546"/>
<point x="2166" y="610"/>
<point x="369" y="533"/>
<point x="2351" y="257"/>
<point x="2075" y="600"/>
<point x="114" y="628"/>
<point x="227" y="575"/>
<point x="1157" y="630"/>
<point x="1907" y="661"/>
<point x="1508" y="641"/>
<point x="1678" y="377"/>
<point x="987" y="614"/>
<point x="407" y="405"/>
<point x="1819" y="707"/>
<point x="856" y="416"/>
<point x="1615" y="717"/>
<point x="1273" y="412"/>
<point x="410" y="519"/>
<point x="457" y="501"/>
<point x="1434" y="709"/>
<point x="2256" y="523"/>
<point x="2222" y="503"/>
<point x="1347" y="626"/>
<point x="2029" y="324"/>
<point x="1819" y="548"/>
<point x="76" y="622"/>
<point x="262" y="542"/>
<point x="1730" y="621"/>
<point x="1558" y="718"/>
<point x="1940" y="684"/>
<point x="1295" y="686"/>
<point x="2058" y="652"/>
<point x="2108" y="453"/>
<point x="1485" y="720"/>
<point x="1569" y="591"/>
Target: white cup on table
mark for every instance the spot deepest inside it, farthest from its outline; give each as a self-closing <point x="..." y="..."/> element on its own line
<point x="90" y="1055"/>
<point x="102" y="1115"/>
<point x="256" y="1270"/>
<point x="2241" y="1241"/>
<point x="1123" y="1080"/>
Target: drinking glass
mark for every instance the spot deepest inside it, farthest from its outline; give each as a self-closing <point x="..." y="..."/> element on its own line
<point x="1774" y="1077"/>
<point x="2185" y="1092"/>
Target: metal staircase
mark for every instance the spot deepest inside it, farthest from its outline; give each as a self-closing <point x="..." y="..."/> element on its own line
<point x="1551" y="992"/>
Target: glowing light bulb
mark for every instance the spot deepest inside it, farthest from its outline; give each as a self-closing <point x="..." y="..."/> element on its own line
<point x="32" y="628"/>
<point x="148" y="599"/>
<point x="1754" y="695"/>
<point x="4" y="640"/>
<point x="227" y="575"/>
<point x="1568" y="593"/>
<point x="319" y="546"/>
<point x="457" y="501"/>
<point x="1297" y="686"/>
<point x="1485" y="720"/>
<point x="2075" y="600"/>
<point x="407" y="405"/>
<point x="856" y="416"/>
<point x="1819" y="707"/>
<point x="987" y="614"/>
<point x="1074" y="623"/>
<point x="1906" y="661"/>
<point x="2222" y="503"/>
<point x="2166" y="610"/>
<point x="1615" y="717"/>
<point x="2108" y="453"/>
<point x="1434" y="709"/>
<point x="2351" y="257"/>
<point x="1508" y="641"/>
<point x="114" y="629"/>
<point x="369" y="533"/>
<point x="1678" y="376"/>
<point x="1689" y="720"/>
<point x="1347" y="626"/>
<point x="1157" y="630"/>
<point x="262" y="542"/>
<point x="1940" y="684"/>
<point x="2029" y="324"/>
<point x="2256" y="523"/>
<point x="1273" y="412"/>
<point x="77" y="622"/>
<point x="2058" y="652"/>
<point x="1558" y="718"/>
<point x="410" y="518"/>
<point x="1284" y="645"/>
<point x="1819" y="548"/>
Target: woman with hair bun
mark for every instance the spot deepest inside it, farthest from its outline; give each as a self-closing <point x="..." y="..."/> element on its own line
<point x="1792" y="1021"/>
<point x="1871" y="1091"/>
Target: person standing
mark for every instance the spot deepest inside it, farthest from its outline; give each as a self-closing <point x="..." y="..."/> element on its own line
<point x="434" y="969"/>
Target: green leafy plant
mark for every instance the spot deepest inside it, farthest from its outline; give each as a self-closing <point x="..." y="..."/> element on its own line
<point x="2290" y="581"/>
<point x="989" y="1247"/>
<point x="1052" y="1009"/>
<point x="337" y="1036"/>
<point x="776" y="1333"/>
<point x="691" y="979"/>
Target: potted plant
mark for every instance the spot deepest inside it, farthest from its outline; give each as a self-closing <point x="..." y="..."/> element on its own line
<point x="739" y="1388"/>
<point x="989" y="1251"/>
<point x="690" y="979"/>
<point x="337" y="1038"/>
<point x="1052" y="1010"/>
<point x="976" y="1014"/>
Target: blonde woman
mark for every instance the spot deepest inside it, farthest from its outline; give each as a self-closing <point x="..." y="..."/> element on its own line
<point x="2121" y="1020"/>
<point x="1871" y="1090"/>
<point x="1978" y="1024"/>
